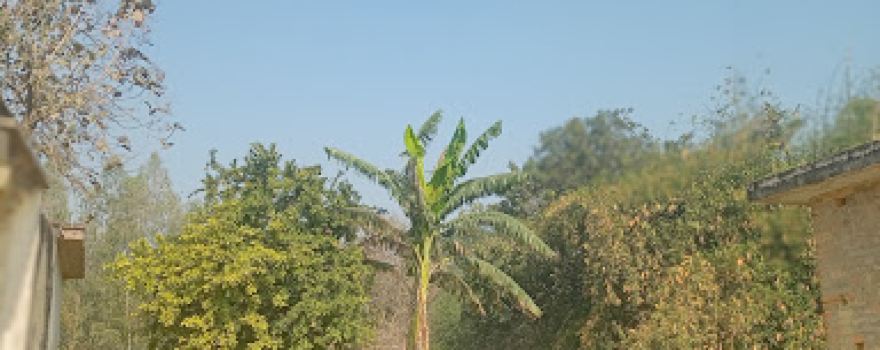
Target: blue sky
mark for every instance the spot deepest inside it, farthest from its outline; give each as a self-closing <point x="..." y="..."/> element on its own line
<point x="305" y="74"/>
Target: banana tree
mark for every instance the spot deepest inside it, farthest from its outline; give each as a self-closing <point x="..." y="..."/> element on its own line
<point x="436" y="244"/>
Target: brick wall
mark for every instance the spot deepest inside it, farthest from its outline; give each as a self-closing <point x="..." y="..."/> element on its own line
<point x="847" y="233"/>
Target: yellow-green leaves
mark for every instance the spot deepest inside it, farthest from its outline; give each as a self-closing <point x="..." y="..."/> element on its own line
<point x="259" y="267"/>
<point x="413" y="146"/>
<point x="416" y="153"/>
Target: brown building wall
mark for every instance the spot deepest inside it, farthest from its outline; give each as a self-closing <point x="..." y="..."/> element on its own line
<point x="847" y="234"/>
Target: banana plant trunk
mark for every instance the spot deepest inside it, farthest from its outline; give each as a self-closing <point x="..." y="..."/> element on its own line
<point x="422" y="332"/>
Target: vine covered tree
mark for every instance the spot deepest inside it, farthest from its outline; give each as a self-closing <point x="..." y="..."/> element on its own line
<point x="437" y="244"/>
<point x="670" y="253"/>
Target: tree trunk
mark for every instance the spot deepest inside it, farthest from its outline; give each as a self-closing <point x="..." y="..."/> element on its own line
<point x="422" y="333"/>
<point x="127" y="322"/>
<point x="423" y="336"/>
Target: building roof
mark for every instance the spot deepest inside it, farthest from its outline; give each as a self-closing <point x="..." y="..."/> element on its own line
<point x="18" y="165"/>
<point x="835" y="176"/>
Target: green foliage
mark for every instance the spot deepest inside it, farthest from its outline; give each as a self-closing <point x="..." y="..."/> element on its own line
<point x="436" y="242"/>
<point x="446" y="310"/>
<point x="429" y="128"/>
<point x="480" y="145"/>
<point x="502" y="280"/>
<point x="584" y="150"/>
<point x="858" y="121"/>
<point x="642" y="256"/>
<point x="413" y="146"/>
<point x="97" y="312"/>
<point x="493" y="222"/>
<point x="259" y="266"/>
<point x="666" y="253"/>
<point x="729" y="298"/>
<point x="474" y="189"/>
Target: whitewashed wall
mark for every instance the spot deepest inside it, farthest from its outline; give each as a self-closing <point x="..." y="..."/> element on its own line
<point x="30" y="280"/>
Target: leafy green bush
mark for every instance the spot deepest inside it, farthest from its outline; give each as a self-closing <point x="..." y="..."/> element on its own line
<point x="259" y="266"/>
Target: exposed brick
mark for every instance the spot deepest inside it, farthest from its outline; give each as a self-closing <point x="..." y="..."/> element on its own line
<point x="848" y="258"/>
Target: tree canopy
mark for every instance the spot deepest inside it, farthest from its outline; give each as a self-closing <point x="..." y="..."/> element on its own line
<point x="259" y="265"/>
<point x="666" y="253"/>
<point x="78" y="77"/>
<point x="97" y="312"/>
<point x="584" y="150"/>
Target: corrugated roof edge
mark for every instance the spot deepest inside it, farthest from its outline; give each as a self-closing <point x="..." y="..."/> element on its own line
<point x="853" y="159"/>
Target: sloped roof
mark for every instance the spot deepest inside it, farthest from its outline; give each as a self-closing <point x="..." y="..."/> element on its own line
<point x="835" y="176"/>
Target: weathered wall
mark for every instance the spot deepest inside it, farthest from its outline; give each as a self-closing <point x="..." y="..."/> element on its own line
<point x="29" y="274"/>
<point x="18" y="249"/>
<point x="847" y="234"/>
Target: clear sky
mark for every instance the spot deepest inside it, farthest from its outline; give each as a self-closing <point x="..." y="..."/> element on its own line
<point x="305" y="74"/>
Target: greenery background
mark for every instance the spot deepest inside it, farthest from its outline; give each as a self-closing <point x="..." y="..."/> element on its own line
<point x="657" y="244"/>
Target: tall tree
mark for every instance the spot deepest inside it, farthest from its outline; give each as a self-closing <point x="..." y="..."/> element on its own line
<point x="77" y="75"/>
<point x="259" y="266"/>
<point x="437" y="241"/>
<point x="97" y="310"/>
<point x="583" y="150"/>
